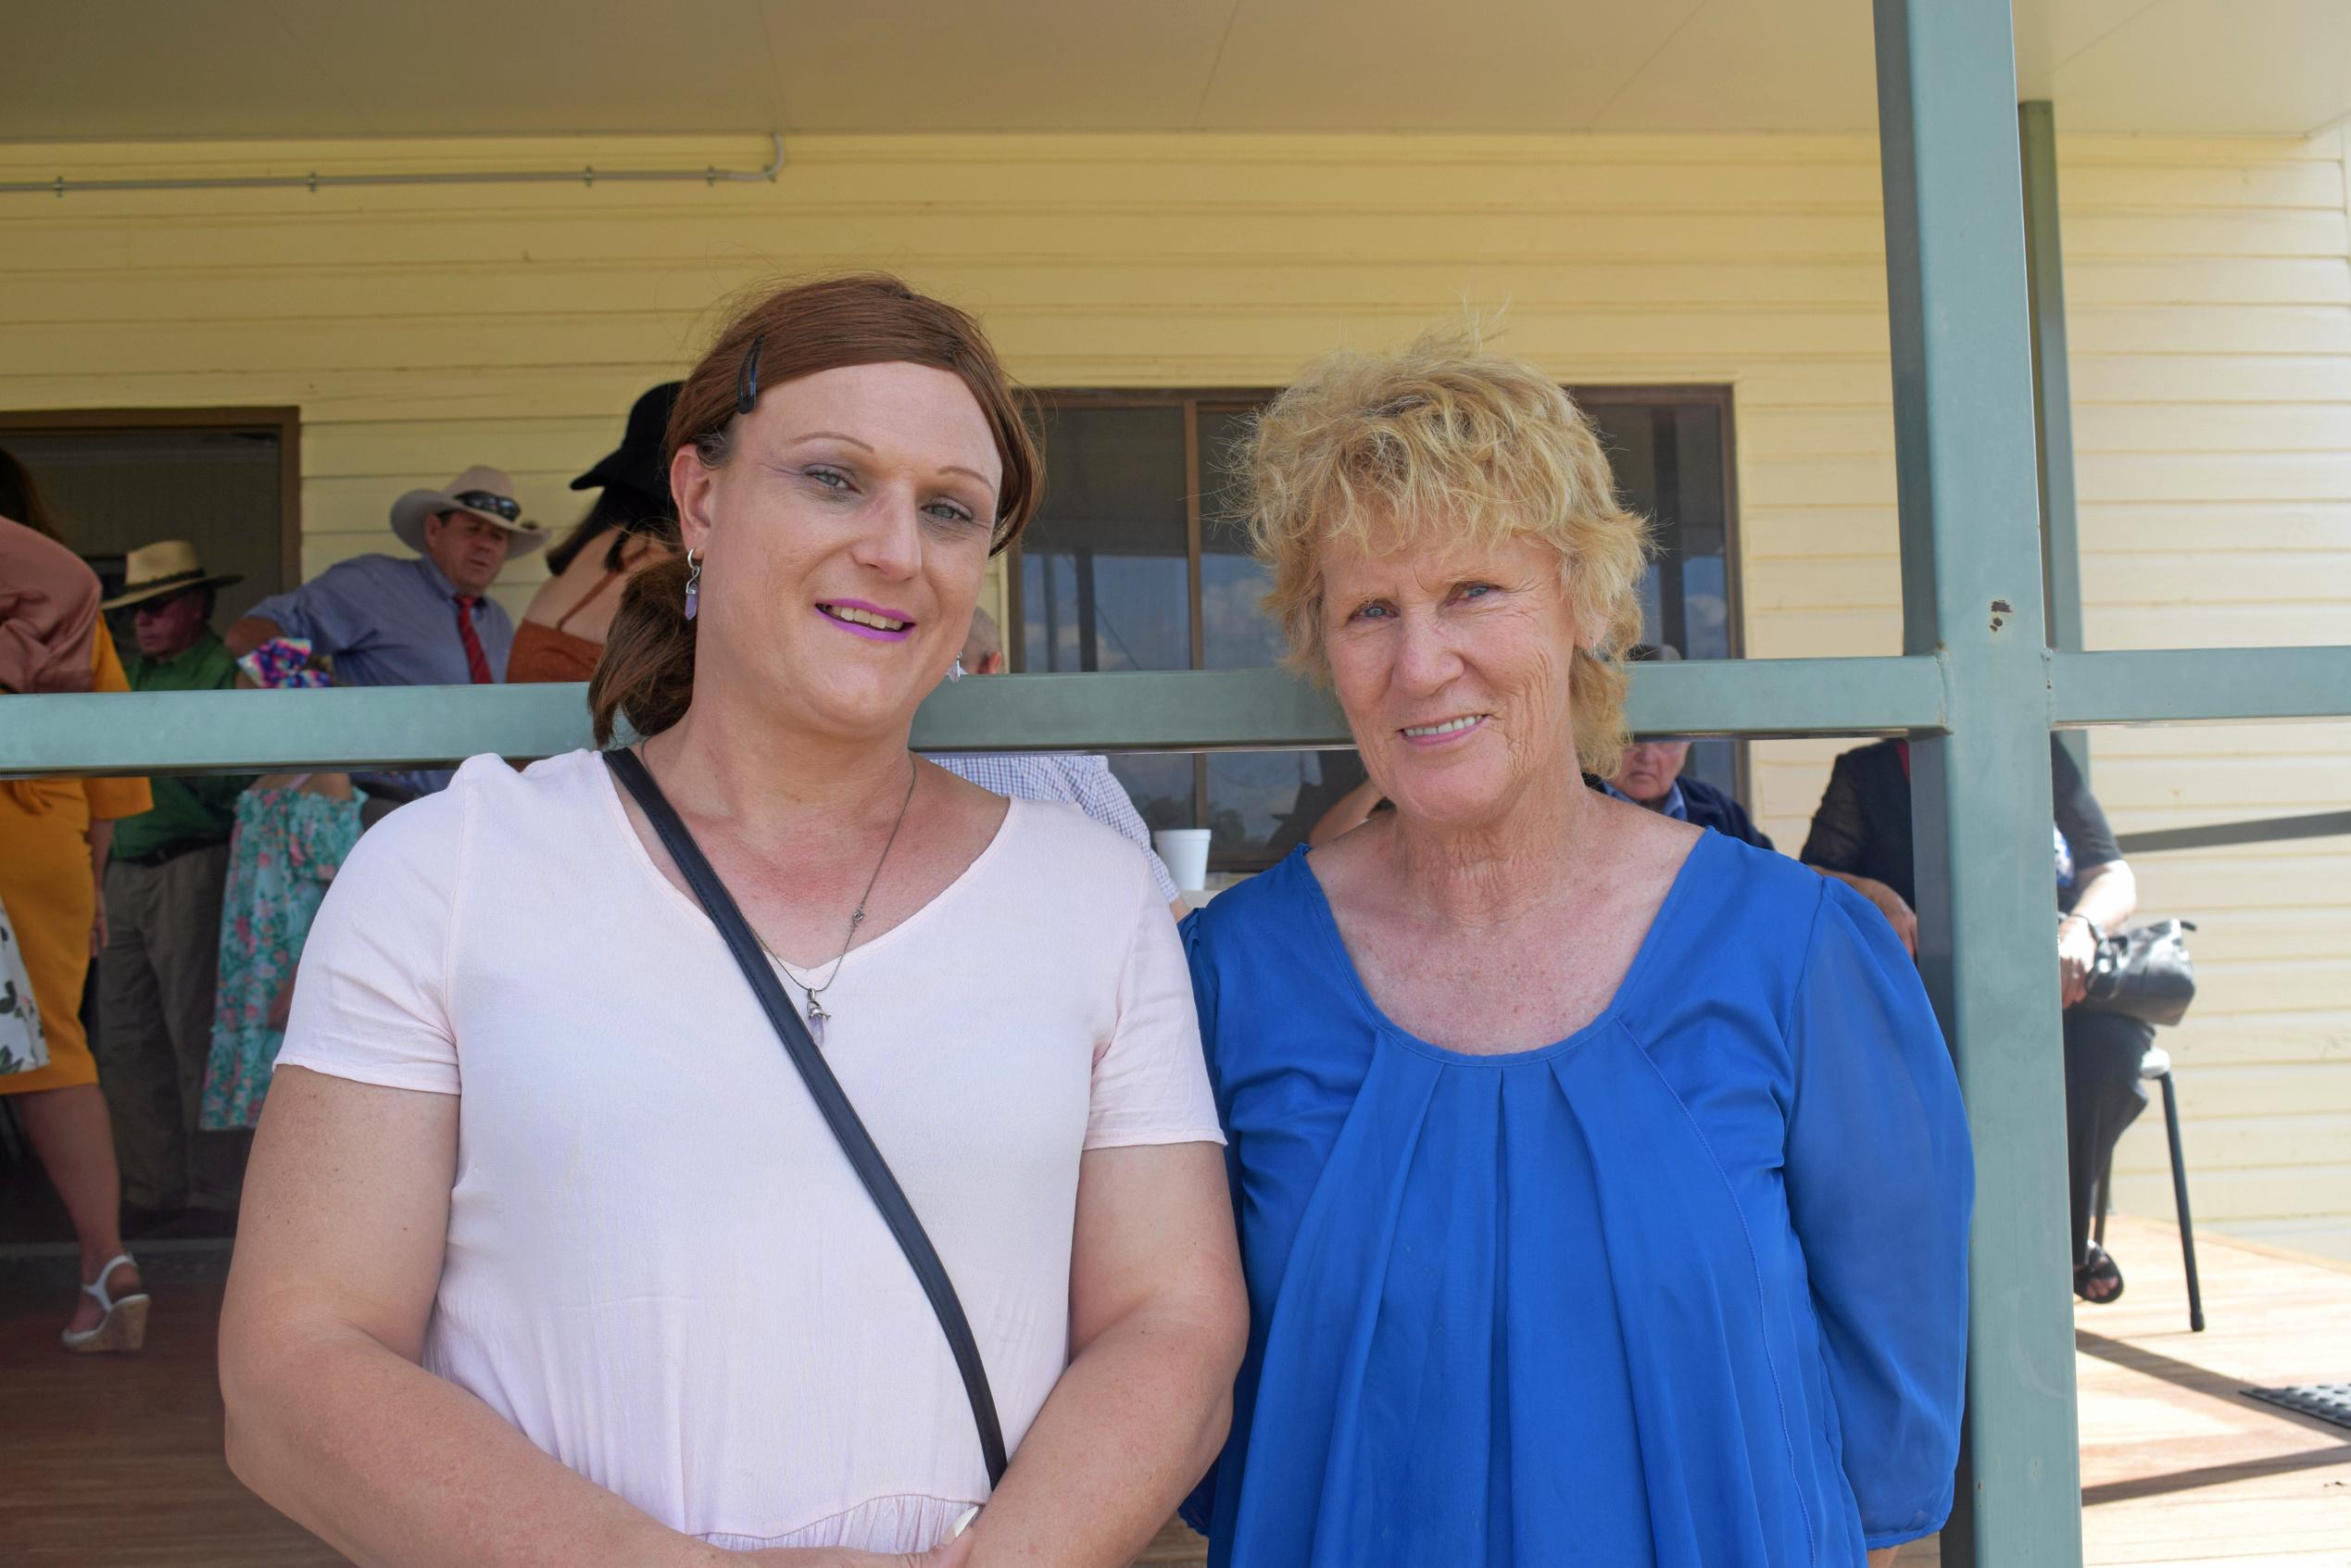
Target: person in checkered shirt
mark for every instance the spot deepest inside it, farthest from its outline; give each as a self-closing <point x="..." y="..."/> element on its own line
<point x="1085" y="783"/>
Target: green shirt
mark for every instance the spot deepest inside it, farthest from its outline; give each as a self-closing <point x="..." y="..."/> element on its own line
<point x="194" y="809"/>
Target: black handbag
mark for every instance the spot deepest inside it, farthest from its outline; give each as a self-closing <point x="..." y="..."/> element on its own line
<point x="2144" y="973"/>
<point x="825" y="1089"/>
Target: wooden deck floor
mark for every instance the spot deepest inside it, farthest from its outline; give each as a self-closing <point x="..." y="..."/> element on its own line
<point x="116" y="1461"/>
<point x="2177" y="1466"/>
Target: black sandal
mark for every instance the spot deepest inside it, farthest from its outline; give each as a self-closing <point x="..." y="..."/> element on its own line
<point x="2099" y="1271"/>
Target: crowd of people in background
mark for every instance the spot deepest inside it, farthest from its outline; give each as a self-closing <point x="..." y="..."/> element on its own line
<point x="181" y="903"/>
<point x="172" y="911"/>
<point x="194" y="894"/>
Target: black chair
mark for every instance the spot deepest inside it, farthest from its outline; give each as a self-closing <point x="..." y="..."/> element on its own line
<point x="2157" y="1064"/>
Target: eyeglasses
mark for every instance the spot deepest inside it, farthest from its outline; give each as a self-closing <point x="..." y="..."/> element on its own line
<point x="483" y="501"/>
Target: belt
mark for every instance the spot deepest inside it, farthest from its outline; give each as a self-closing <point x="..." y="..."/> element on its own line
<point x="161" y="857"/>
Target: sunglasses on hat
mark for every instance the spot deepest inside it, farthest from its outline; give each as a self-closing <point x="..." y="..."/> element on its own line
<point x="483" y="501"/>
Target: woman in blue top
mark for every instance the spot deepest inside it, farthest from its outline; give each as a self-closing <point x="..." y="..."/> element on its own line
<point x="1603" y="1184"/>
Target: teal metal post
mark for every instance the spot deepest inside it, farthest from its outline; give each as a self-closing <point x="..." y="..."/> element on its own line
<point x="2052" y="394"/>
<point x="1972" y="591"/>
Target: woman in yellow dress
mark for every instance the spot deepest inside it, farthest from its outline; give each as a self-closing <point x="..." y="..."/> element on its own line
<point x="53" y="835"/>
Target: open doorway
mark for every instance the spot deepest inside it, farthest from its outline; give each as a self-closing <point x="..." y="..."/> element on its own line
<point x="226" y="479"/>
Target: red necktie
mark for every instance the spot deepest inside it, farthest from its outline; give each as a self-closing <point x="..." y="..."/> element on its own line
<point x="477" y="663"/>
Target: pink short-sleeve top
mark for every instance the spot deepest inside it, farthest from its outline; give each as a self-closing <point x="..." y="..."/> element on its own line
<point x="659" y="1265"/>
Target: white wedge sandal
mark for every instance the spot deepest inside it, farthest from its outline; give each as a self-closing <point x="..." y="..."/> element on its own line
<point x="124" y="1324"/>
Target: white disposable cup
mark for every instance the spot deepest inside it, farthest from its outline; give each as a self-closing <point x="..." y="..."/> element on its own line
<point x="1186" y="852"/>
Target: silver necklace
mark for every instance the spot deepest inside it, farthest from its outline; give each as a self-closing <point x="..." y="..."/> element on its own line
<point x="817" y="1016"/>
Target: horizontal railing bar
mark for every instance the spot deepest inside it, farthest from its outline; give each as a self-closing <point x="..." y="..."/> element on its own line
<point x="1176" y="711"/>
<point x="2199" y="685"/>
<point x="268" y="731"/>
<point x="2212" y="835"/>
<point x="1788" y="698"/>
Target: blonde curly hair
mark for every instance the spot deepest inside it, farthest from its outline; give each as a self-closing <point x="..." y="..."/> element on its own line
<point x="1446" y="438"/>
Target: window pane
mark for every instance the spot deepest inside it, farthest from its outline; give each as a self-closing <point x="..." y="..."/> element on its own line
<point x="1259" y="802"/>
<point x="1160" y="785"/>
<point x="1105" y="583"/>
<point x="1668" y="458"/>
<point x="1104" y="579"/>
<point x="1235" y="632"/>
<point x="1263" y="803"/>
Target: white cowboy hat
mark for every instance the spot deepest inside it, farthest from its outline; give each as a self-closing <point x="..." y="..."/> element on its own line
<point x="486" y="493"/>
<point x="170" y="567"/>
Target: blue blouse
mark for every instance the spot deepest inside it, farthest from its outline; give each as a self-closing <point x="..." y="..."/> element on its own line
<point x="1688" y="1287"/>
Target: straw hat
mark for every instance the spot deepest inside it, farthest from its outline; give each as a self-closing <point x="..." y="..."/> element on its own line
<point x="151" y="571"/>
<point x="483" y="491"/>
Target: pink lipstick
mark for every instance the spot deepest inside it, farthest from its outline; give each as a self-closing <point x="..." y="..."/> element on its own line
<point x="857" y="616"/>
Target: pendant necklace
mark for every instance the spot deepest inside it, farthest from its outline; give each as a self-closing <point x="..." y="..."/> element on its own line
<point x="817" y="1016"/>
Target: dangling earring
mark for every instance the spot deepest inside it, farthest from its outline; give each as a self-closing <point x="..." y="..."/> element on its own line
<point x="955" y="671"/>
<point x="693" y="586"/>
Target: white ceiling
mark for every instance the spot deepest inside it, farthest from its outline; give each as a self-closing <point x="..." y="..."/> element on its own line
<point x="129" y="69"/>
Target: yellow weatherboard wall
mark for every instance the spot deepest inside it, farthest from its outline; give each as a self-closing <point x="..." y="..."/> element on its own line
<point x="2210" y="286"/>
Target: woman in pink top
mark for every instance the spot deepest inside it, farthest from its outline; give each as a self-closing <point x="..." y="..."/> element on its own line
<point x="547" y="1254"/>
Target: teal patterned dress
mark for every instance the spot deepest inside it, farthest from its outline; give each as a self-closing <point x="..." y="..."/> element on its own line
<point x="287" y="846"/>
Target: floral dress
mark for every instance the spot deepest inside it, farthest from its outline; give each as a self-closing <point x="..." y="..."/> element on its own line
<point x="287" y="846"/>
<point x="22" y="1047"/>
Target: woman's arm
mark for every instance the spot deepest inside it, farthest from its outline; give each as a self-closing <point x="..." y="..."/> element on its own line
<point x="1838" y="844"/>
<point x="329" y="1418"/>
<point x="1881" y="1184"/>
<point x="1900" y="916"/>
<point x="244" y="637"/>
<point x="2109" y="893"/>
<point x="1158" y="1322"/>
<point x="1353" y="811"/>
<point x="101" y="845"/>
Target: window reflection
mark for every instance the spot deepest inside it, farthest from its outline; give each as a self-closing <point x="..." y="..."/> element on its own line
<point x="1161" y="787"/>
<point x="1105" y="568"/>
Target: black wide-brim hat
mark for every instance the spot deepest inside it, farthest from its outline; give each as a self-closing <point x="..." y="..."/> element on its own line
<point x="637" y="463"/>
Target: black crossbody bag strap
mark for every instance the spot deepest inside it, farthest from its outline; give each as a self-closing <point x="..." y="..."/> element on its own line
<point x="822" y="1087"/>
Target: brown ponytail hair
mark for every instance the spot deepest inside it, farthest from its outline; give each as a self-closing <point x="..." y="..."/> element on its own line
<point x="647" y="672"/>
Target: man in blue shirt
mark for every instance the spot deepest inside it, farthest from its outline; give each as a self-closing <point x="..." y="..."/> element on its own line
<point x="420" y="620"/>
<point x="1072" y="779"/>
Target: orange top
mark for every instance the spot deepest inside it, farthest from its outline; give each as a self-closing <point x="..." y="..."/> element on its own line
<point x="543" y="653"/>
